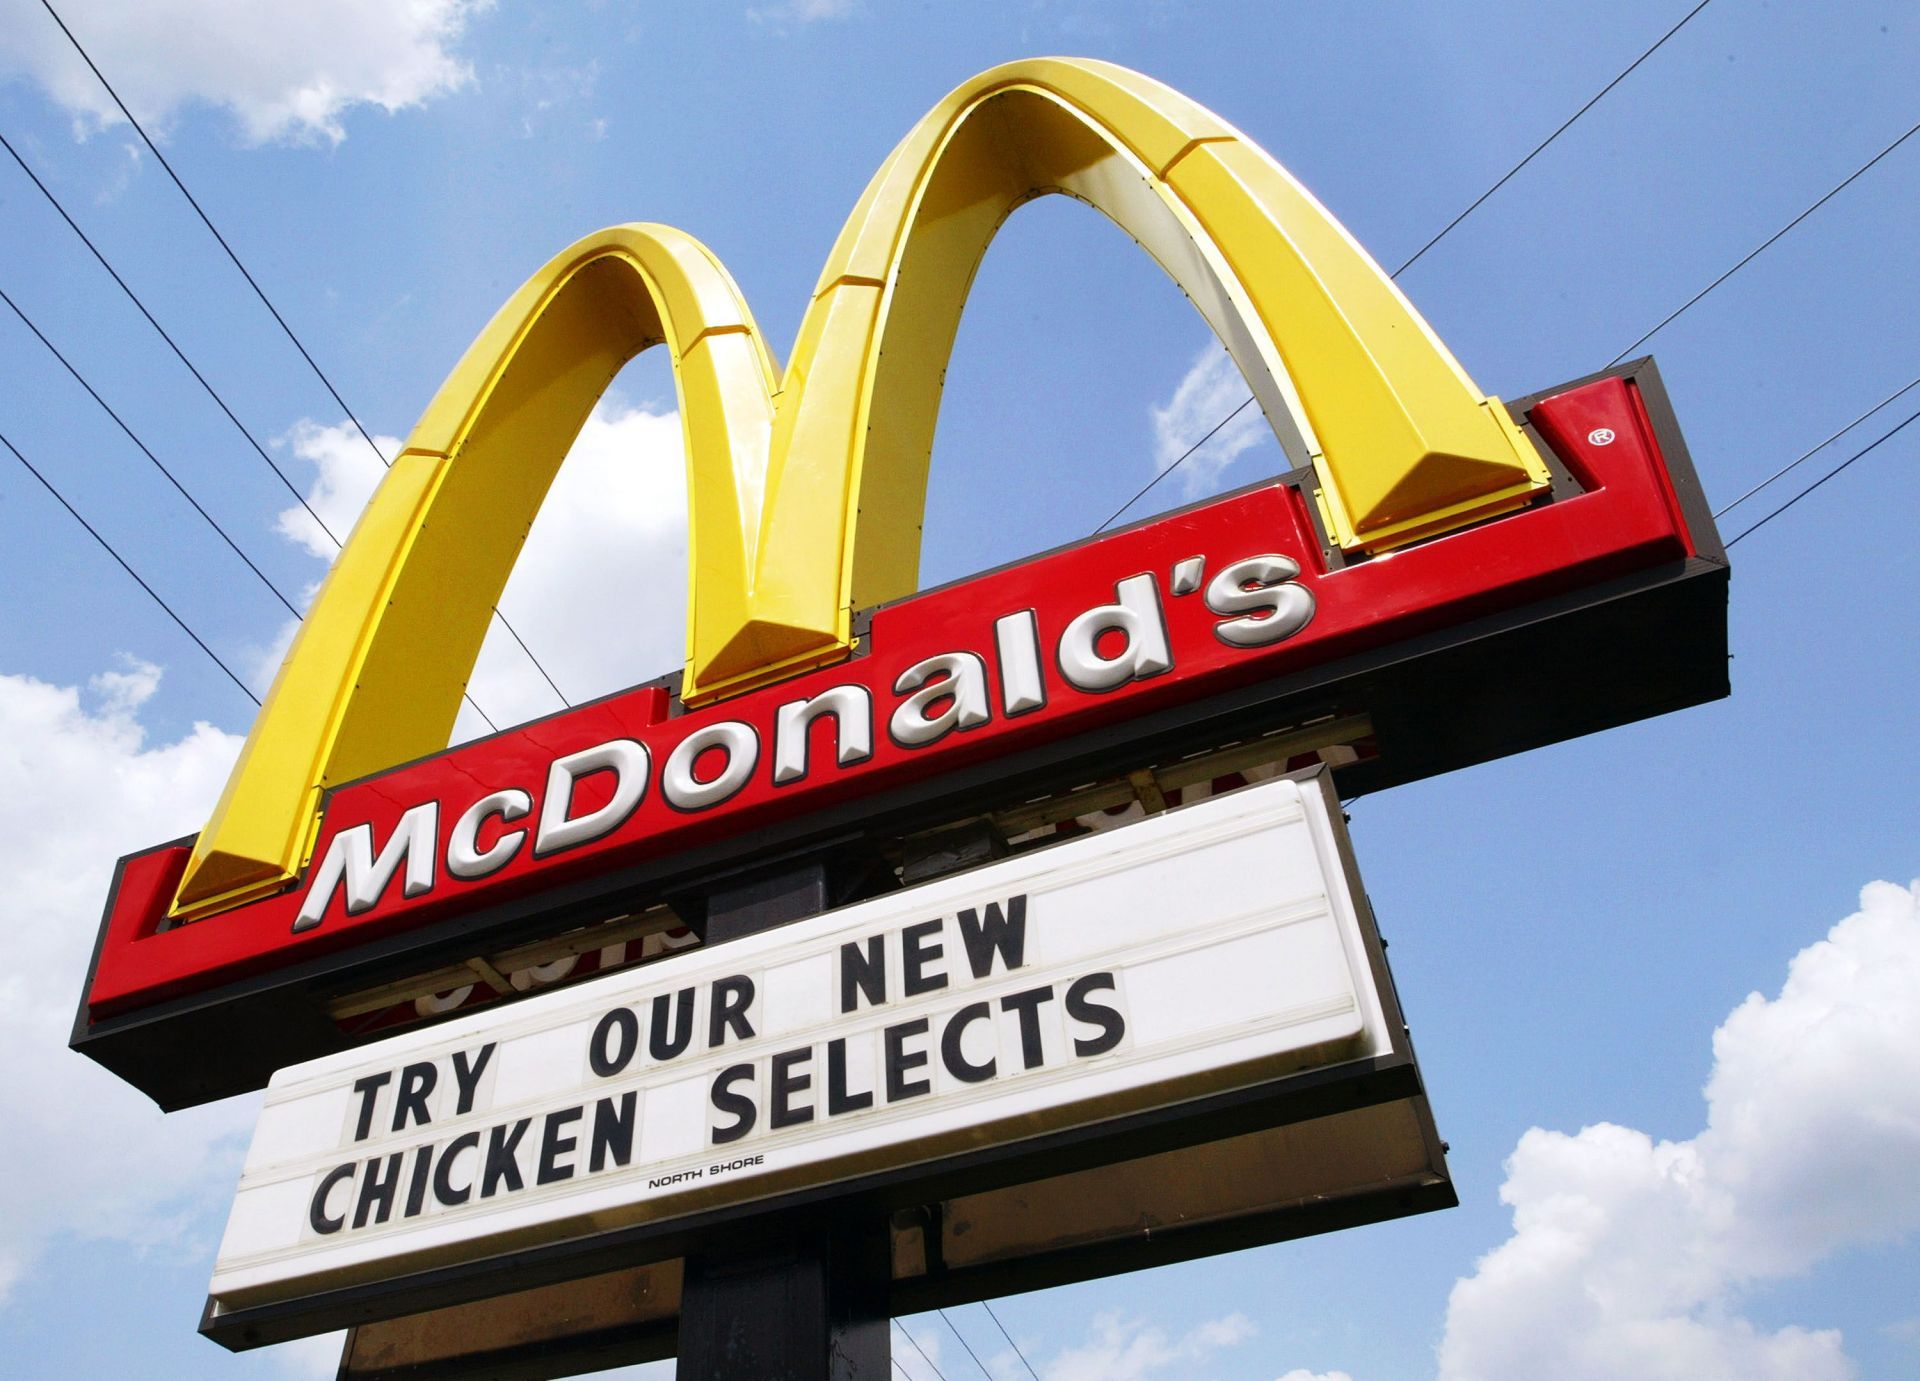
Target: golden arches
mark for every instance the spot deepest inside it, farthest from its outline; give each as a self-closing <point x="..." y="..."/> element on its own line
<point x="376" y="673"/>
<point x="807" y="488"/>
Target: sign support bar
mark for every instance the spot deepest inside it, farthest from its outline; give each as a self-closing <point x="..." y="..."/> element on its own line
<point x="808" y="1303"/>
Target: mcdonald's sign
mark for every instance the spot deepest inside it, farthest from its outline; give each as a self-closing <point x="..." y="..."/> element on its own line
<point x="1439" y="578"/>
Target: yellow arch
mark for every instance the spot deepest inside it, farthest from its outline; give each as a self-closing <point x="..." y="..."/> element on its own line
<point x="807" y="489"/>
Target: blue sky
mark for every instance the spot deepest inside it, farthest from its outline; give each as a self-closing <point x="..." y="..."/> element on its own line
<point x="1569" y="929"/>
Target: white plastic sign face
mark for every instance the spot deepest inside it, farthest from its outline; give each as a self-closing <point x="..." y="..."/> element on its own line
<point x="1203" y="949"/>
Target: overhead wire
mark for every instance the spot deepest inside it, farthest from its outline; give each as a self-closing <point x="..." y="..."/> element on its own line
<point x="208" y="222"/>
<point x="107" y="546"/>
<point x="1444" y="231"/>
<point x="1814" y="450"/>
<point x="1141" y="493"/>
<point x="1507" y="176"/>
<point x="172" y="345"/>
<point x="1010" y="1342"/>
<point x="1661" y="325"/>
<point x="1765" y="244"/>
<point x="1887" y="435"/>
<point x="146" y="451"/>
<point x="906" y="1333"/>
<point x="965" y="1344"/>
<point x="171" y="477"/>
<point x="280" y="320"/>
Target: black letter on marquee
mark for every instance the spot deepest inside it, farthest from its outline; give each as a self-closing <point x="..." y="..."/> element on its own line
<point x="1027" y="1004"/>
<point x="866" y="973"/>
<point x="553" y="1146"/>
<point x="731" y="998"/>
<point x="1112" y="1025"/>
<point x="899" y="1062"/>
<point x="1006" y="933"/>
<point x="377" y="1188"/>
<point x="838" y="1099"/>
<point x="317" y="1211"/>
<point x="612" y="1131"/>
<point x="502" y="1168"/>
<point x="443" y="1190"/>
<point x="417" y="1182"/>
<point x="604" y="1061"/>
<point x="661" y="1046"/>
<point x="953" y="1056"/>
<point x="416" y="1086"/>
<point x="368" y="1087"/>
<point x="469" y="1079"/>
<point x="786" y="1083"/>
<point x="915" y="955"/>
<point x="727" y="1101"/>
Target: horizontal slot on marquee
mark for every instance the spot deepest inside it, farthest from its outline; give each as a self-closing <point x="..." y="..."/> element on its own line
<point x="1334" y="739"/>
<point x="621" y="930"/>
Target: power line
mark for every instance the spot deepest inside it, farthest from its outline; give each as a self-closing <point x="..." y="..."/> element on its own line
<point x="1812" y="451"/>
<point x="108" y="547"/>
<point x="1661" y="325"/>
<point x="266" y="302"/>
<point x="1444" y="231"/>
<point x="965" y="1344"/>
<point x="1832" y="192"/>
<point x="172" y="345"/>
<point x="917" y="1348"/>
<point x="1541" y="146"/>
<point x="1142" y="491"/>
<point x="204" y="220"/>
<point x="172" y="479"/>
<point x="1010" y="1342"/>
<point x="1884" y="436"/>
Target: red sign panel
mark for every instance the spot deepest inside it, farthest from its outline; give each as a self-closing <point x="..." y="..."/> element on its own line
<point x="1221" y="595"/>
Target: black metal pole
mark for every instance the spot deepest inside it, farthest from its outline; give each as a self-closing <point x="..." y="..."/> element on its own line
<point x="803" y="1299"/>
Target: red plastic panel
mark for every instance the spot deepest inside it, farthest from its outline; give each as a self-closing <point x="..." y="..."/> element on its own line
<point x="1627" y="520"/>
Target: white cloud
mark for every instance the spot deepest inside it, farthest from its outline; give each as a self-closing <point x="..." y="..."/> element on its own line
<point x="800" y="11"/>
<point x="1123" y="1349"/>
<point x="599" y="593"/>
<point x="284" y="71"/>
<point x="84" y="787"/>
<point x="1210" y="390"/>
<point x="346" y="472"/>
<point x="1302" y="1374"/>
<point x="1629" y="1256"/>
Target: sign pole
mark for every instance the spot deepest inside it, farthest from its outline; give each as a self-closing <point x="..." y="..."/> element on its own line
<point x="804" y="1300"/>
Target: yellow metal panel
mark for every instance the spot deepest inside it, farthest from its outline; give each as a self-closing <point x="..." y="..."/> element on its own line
<point x="1405" y="433"/>
<point x="807" y="489"/>
<point x="376" y="673"/>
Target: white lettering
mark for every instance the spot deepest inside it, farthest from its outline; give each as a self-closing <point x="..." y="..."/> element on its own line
<point x="684" y="791"/>
<point x="628" y="761"/>
<point x="852" y="711"/>
<point x="465" y="859"/>
<point x="1016" y="638"/>
<point x="350" y="859"/>
<point x="1137" y="618"/>
<point x="1258" y="588"/>
<point x="962" y="684"/>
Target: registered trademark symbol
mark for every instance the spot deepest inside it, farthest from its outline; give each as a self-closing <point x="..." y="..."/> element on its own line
<point x="1601" y="436"/>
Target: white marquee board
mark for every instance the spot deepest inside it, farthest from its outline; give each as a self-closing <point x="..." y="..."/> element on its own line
<point x="1207" y="948"/>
